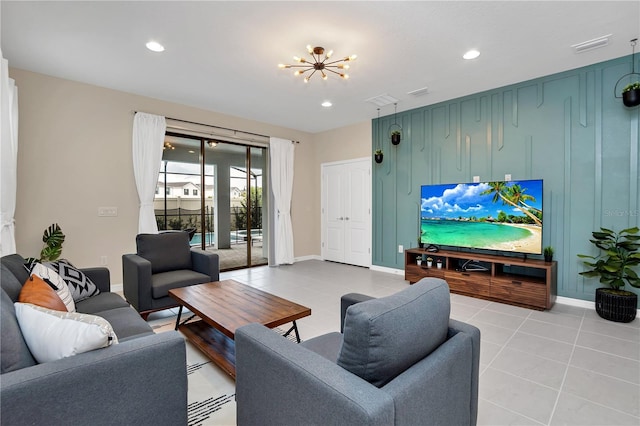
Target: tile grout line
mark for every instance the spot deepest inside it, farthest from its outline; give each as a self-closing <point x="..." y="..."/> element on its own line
<point x="566" y="370"/>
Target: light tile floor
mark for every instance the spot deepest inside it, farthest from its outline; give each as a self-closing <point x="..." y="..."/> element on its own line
<point x="566" y="366"/>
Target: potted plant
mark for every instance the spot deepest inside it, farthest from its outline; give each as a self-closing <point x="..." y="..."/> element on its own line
<point x="429" y="262"/>
<point x="419" y="261"/>
<point x="439" y="263"/>
<point x="548" y="253"/>
<point x="378" y="155"/>
<point x="615" y="266"/>
<point x="395" y="137"/>
<point x="631" y="94"/>
<point x="420" y="243"/>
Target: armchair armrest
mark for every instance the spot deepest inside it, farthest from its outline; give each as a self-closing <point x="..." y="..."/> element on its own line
<point x="136" y="280"/>
<point x="141" y="381"/>
<point x="348" y="300"/>
<point x="100" y="276"/>
<point x="274" y="374"/>
<point x="474" y="334"/>
<point x="206" y="263"/>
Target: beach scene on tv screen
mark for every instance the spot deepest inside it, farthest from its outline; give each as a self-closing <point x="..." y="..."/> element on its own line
<point x="504" y="216"/>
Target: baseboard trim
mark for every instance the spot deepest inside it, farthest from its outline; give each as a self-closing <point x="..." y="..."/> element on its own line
<point x="580" y="303"/>
<point x="117" y="288"/>
<point x="387" y="270"/>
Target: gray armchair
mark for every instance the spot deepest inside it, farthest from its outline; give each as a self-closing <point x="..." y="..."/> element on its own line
<point x="162" y="262"/>
<point x="399" y="361"/>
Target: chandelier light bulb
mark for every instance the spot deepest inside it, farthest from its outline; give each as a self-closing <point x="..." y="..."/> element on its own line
<point x="306" y="79"/>
<point x="298" y="72"/>
<point x="309" y="48"/>
<point x="329" y="54"/>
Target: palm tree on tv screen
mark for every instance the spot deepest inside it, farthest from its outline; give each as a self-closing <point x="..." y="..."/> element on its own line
<point x="500" y="190"/>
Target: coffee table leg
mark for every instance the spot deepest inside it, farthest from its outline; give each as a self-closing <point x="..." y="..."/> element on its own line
<point x="178" y="319"/>
<point x="293" y="328"/>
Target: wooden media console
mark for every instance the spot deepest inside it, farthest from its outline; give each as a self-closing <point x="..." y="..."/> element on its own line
<point x="531" y="283"/>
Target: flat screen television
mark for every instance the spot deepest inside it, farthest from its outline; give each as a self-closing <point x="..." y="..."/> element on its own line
<point x="502" y="216"/>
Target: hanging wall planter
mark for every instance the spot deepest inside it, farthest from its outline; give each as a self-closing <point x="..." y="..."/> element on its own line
<point x="631" y="92"/>
<point x="395" y="131"/>
<point x="631" y="95"/>
<point x="378" y="156"/>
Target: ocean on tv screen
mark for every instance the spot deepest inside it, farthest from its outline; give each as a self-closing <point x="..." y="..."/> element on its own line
<point x="501" y="215"/>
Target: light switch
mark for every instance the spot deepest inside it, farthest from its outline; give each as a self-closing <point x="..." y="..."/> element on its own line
<point x="107" y="211"/>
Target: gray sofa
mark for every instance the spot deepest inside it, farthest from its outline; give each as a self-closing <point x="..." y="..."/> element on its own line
<point x="399" y="360"/>
<point x="141" y="380"/>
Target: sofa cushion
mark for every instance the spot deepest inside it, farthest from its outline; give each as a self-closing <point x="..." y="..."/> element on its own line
<point x="383" y="337"/>
<point x="166" y="252"/>
<point x="163" y="282"/>
<point x="14" y="352"/>
<point x="56" y="282"/>
<point x="101" y="302"/>
<point x="80" y="286"/>
<point x="10" y="284"/>
<point x="38" y="292"/>
<point x="327" y="345"/>
<point x="52" y="335"/>
<point x="126" y="323"/>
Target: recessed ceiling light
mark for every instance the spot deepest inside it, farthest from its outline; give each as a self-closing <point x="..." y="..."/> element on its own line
<point x="471" y="54"/>
<point x="326" y="104"/>
<point x="155" y="46"/>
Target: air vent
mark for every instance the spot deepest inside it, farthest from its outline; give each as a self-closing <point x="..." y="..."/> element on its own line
<point x="382" y="100"/>
<point x="591" y="44"/>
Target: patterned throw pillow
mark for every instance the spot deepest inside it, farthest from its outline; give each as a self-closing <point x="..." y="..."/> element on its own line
<point x="52" y="278"/>
<point x="80" y="286"/>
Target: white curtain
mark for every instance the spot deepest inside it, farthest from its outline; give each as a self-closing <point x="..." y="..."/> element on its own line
<point x="281" y="157"/>
<point x="8" y="158"/>
<point x="148" y="140"/>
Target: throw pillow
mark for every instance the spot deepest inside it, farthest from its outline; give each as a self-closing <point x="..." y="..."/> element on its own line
<point x="38" y="292"/>
<point x="384" y="337"/>
<point x="80" y="286"/>
<point x="52" y="335"/>
<point x="52" y="278"/>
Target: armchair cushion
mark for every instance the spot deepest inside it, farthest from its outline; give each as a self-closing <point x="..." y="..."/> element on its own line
<point x="166" y="252"/>
<point x="383" y="337"/>
<point x="163" y="282"/>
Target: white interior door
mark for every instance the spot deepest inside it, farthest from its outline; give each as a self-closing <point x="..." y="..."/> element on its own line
<point x="346" y="212"/>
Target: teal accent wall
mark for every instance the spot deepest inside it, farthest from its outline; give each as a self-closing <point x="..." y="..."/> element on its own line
<point x="566" y="128"/>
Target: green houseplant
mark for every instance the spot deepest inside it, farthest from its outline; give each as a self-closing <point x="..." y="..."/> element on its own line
<point x="53" y="237"/>
<point x="548" y="253"/>
<point x="631" y="94"/>
<point x="378" y="155"/>
<point x="615" y="265"/>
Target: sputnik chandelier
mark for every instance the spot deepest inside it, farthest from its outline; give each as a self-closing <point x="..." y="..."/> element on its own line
<point x="320" y="64"/>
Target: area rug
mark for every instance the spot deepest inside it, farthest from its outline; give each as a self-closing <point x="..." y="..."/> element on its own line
<point x="211" y="395"/>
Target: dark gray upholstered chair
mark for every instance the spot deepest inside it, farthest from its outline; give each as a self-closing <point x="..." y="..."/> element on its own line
<point x="399" y="360"/>
<point x="162" y="262"/>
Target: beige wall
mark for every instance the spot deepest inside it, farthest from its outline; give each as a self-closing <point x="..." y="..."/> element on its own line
<point x="74" y="156"/>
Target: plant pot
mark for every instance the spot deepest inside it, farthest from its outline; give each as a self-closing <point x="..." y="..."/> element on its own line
<point x="419" y="262"/>
<point x="395" y="138"/>
<point x="429" y="264"/>
<point x="548" y="258"/>
<point x="378" y="158"/>
<point x="439" y="265"/>
<point x="631" y="98"/>
<point x="616" y="305"/>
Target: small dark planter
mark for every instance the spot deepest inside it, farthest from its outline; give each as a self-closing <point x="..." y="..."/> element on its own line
<point x="631" y="98"/>
<point x="548" y="258"/>
<point x="395" y="138"/>
<point x="616" y="305"/>
<point x="378" y="158"/>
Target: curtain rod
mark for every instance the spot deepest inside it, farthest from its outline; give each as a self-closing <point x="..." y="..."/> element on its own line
<point x="216" y="127"/>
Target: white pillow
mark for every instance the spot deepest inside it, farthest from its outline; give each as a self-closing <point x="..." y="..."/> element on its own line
<point x="52" y="335"/>
<point x="54" y="279"/>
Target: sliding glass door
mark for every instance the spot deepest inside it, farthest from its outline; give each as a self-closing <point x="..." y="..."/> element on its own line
<point x="214" y="189"/>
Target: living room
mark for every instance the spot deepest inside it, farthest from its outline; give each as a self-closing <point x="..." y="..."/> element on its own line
<point x="566" y="127"/>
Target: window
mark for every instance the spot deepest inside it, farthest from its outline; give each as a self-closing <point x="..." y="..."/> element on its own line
<point x="157" y="190"/>
<point x="168" y="190"/>
<point x="195" y="192"/>
<point x="186" y="191"/>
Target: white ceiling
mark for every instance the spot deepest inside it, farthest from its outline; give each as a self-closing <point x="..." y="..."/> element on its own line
<point x="223" y="56"/>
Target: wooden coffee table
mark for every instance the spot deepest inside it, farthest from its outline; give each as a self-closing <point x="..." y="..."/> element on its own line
<point x="222" y="307"/>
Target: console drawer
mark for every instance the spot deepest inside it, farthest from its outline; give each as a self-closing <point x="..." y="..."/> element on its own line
<point x="470" y="283"/>
<point x="519" y="291"/>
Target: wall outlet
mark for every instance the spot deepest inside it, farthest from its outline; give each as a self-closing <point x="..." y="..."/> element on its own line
<point x="507" y="178"/>
<point x="107" y="211"/>
<point x="400" y="248"/>
<point x="476" y="179"/>
<point x="103" y="260"/>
